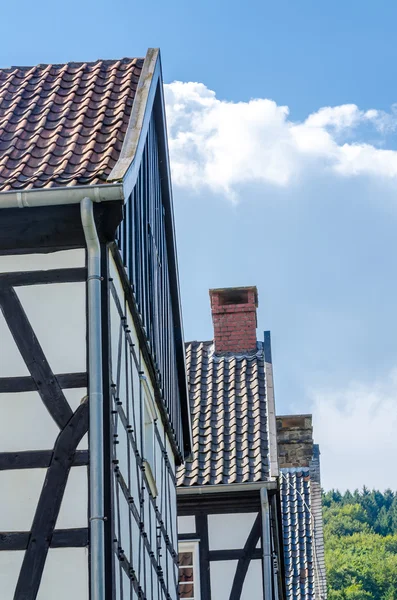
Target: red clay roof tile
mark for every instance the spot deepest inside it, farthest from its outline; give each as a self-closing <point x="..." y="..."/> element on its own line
<point x="65" y="124"/>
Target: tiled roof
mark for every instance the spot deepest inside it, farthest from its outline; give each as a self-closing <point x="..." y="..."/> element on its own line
<point x="64" y="125"/>
<point x="229" y="417"/>
<point x="298" y="533"/>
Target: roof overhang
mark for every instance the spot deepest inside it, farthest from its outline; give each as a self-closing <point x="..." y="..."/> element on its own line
<point x="270" y="484"/>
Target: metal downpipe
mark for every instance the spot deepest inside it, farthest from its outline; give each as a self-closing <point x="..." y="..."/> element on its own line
<point x="97" y="528"/>
<point x="267" y="548"/>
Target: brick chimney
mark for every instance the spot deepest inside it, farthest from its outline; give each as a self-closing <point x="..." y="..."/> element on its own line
<point x="234" y="318"/>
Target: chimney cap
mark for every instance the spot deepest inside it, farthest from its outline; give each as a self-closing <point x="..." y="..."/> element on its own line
<point x="235" y="295"/>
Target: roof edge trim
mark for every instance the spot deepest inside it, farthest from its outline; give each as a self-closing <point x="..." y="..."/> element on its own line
<point x="271" y="408"/>
<point x="133" y="136"/>
<point x="270" y="484"/>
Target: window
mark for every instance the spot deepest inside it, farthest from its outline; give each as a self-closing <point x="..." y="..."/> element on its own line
<point x="189" y="582"/>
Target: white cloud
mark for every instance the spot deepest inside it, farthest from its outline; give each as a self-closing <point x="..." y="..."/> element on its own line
<point x="356" y="429"/>
<point x="222" y="145"/>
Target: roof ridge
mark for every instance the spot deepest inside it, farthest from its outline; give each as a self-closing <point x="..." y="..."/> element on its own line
<point x="108" y="61"/>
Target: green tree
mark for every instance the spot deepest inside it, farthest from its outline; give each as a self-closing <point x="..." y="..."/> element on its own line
<point x="360" y="531"/>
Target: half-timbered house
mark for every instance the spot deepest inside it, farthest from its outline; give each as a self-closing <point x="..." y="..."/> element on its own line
<point x="94" y="412"/>
<point x="245" y="525"/>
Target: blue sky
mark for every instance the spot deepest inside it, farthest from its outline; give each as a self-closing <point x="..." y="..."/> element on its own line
<point x="301" y="201"/>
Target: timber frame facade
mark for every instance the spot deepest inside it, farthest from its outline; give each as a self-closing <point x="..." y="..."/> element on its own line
<point x="46" y="470"/>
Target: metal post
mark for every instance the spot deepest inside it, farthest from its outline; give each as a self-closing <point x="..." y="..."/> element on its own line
<point x="266" y="546"/>
<point x="97" y="529"/>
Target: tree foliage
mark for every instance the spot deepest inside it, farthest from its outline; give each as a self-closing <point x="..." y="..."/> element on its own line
<point x="360" y="531"/>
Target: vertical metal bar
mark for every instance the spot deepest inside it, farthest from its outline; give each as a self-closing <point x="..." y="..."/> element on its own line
<point x="266" y="546"/>
<point x="97" y="529"/>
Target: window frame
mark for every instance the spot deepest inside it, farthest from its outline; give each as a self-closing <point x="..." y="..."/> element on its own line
<point x="192" y="546"/>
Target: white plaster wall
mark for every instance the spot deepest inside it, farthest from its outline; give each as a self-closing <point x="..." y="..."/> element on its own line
<point x="65" y="575"/>
<point x="11" y="362"/>
<point x="117" y="577"/>
<point x="187" y="524"/>
<point x="25" y="423"/>
<point x="253" y="584"/>
<point x="57" y="313"/>
<point x="20" y="492"/>
<point x="221" y="576"/>
<point x="229" y="531"/>
<point x="10" y="566"/>
<point x="74" y="507"/>
<point x="64" y="259"/>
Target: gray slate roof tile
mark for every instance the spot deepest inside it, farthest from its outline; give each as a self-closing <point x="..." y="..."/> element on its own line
<point x="297" y="533"/>
<point x="229" y="417"/>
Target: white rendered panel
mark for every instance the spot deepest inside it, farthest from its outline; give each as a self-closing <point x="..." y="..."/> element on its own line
<point x="187" y="524"/>
<point x="32" y="428"/>
<point x="10" y="567"/>
<point x="229" y="531"/>
<point x="65" y="575"/>
<point x="114" y="274"/>
<point x="11" y="361"/>
<point x="57" y="313"/>
<point x="135" y="478"/>
<point x="222" y="575"/>
<point x="135" y="535"/>
<point x="64" y="259"/>
<point x="125" y="525"/>
<point x="131" y="326"/>
<point x="126" y="585"/>
<point x="253" y="583"/>
<point x="20" y="492"/>
<point x="115" y="320"/>
<point x="122" y="451"/>
<point x="74" y="507"/>
<point x="117" y="578"/>
<point x="170" y="453"/>
<point x="122" y="384"/>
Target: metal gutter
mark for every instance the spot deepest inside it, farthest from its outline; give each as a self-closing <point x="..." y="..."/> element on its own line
<point x="226" y="487"/>
<point x="95" y="394"/>
<point x="61" y="195"/>
<point x="267" y="548"/>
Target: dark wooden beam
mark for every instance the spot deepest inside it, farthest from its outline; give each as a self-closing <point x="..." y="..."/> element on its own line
<point x="40" y="277"/>
<point x="36" y="459"/>
<point x="27" y="384"/>
<point x="62" y="538"/>
<point x="44" y="229"/>
<point x="202" y="531"/>
<point x="234" y="554"/>
<point x="219" y="503"/>
<point x="28" y="345"/>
